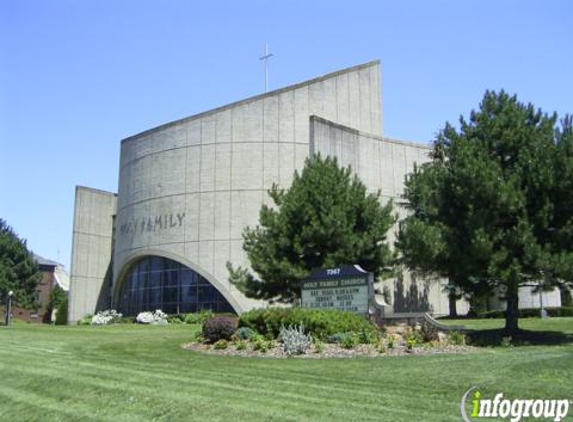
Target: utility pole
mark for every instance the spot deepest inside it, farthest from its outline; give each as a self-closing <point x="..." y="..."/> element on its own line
<point x="266" y="58"/>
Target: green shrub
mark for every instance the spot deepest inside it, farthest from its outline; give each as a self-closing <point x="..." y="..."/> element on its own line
<point x="197" y="336"/>
<point x="241" y="345"/>
<point x="410" y="343"/>
<point x="176" y="318"/>
<point x="62" y="314"/>
<point x="336" y="338"/>
<point x="349" y="341"/>
<point x="318" y="346"/>
<point x="368" y="337"/>
<point x="244" y="333"/>
<point x="219" y="328"/>
<point x="86" y="320"/>
<point x="221" y="344"/>
<point x="262" y="346"/>
<point x="390" y="341"/>
<point x="413" y="337"/>
<point x="126" y="320"/>
<point x="198" y="317"/>
<point x="428" y="332"/>
<point x="456" y="338"/>
<point x="320" y="323"/>
<point x="506" y="342"/>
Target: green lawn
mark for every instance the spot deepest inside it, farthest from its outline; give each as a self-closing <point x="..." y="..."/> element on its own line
<point x="135" y="373"/>
<point x="564" y="325"/>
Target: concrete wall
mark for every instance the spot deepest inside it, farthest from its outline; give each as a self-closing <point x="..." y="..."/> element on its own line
<point x="91" y="252"/>
<point x="530" y="299"/>
<point x="187" y="189"/>
<point x="382" y="164"/>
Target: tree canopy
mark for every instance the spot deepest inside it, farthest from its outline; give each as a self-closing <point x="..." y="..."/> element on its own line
<point x="19" y="271"/>
<point x="492" y="209"/>
<point x="325" y="219"/>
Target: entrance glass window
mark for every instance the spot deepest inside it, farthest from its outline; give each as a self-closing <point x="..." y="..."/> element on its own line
<point x="160" y="283"/>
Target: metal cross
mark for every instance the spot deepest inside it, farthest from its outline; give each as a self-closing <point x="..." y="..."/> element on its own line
<point x="266" y="58"/>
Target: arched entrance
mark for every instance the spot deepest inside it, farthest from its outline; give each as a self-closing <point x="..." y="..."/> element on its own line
<point x="155" y="282"/>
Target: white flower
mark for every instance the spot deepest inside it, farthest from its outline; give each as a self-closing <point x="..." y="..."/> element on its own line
<point x="156" y="318"/>
<point x="106" y="317"/>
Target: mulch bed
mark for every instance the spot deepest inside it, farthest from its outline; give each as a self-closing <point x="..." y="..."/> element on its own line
<point x="333" y="351"/>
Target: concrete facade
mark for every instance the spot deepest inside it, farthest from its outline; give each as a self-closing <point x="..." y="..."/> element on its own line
<point x="188" y="188"/>
<point x="92" y="251"/>
<point x="382" y="164"/>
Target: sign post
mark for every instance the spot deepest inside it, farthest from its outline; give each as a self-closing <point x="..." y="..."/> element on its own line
<point x="348" y="288"/>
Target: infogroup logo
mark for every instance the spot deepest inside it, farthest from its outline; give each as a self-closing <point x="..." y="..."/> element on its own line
<point x="515" y="410"/>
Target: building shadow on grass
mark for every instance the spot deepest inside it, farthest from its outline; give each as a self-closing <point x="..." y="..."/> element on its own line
<point x="498" y="337"/>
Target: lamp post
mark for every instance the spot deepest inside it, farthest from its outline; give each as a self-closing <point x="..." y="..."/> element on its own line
<point x="9" y="307"/>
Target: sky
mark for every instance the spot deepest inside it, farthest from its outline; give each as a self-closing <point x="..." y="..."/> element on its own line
<point x="76" y="77"/>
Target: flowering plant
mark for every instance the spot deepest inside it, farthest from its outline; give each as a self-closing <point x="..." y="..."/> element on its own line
<point x="156" y="318"/>
<point x="106" y="317"/>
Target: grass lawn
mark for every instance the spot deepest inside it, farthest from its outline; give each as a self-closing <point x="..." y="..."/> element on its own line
<point x="564" y="325"/>
<point x="139" y="373"/>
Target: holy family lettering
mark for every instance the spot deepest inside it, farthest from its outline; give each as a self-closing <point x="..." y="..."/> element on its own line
<point x="152" y="223"/>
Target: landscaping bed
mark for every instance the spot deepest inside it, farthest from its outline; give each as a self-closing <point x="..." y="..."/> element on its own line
<point x="331" y="351"/>
<point x="311" y="333"/>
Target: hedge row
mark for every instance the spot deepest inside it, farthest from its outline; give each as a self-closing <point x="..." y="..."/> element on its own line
<point x="320" y="323"/>
<point x="531" y="313"/>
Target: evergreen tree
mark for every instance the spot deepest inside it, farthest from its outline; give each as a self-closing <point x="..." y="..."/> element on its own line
<point x="19" y="271"/>
<point x="62" y="314"/>
<point x="498" y="212"/>
<point x="325" y="219"/>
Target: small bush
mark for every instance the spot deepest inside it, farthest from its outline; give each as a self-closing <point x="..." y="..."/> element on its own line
<point x="321" y="323"/>
<point x="110" y="316"/>
<point x="262" y="346"/>
<point x="336" y="338"/>
<point x="156" y="318"/>
<point x="410" y="343"/>
<point x="221" y="344"/>
<point x="428" y="332"/>
<point x="126" y="320"/>
<point x="456" y="338"/>
<point x="244" y="333"/>
<point x="294" y="340"/>
<point x="86" y="320"/>
<point x="390" y="341"/>
<point x="350" y="341"/>
<point x="318" y="346"/>
<point x="197" y="336"/>
<point x="241" y="345"/>
<point x="506" y="342"/>
<point x="368" y="337"/>
<point x="412" y="338"/>
<point x="176" y="318"/>
<point x="198" y="317"/>
<point x="219" y="328"/>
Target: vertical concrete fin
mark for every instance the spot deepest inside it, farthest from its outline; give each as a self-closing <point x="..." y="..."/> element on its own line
<point x="92" y="244"/>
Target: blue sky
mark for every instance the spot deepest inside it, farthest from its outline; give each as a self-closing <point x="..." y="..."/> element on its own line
<point x="76" y="77"/>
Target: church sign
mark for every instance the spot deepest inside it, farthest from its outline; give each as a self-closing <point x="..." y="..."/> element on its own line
<point x="348" y="288"/>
